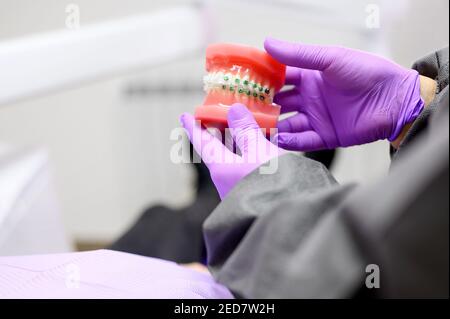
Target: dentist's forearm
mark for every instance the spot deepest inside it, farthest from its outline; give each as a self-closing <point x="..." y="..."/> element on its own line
<point x="427" y="92"/>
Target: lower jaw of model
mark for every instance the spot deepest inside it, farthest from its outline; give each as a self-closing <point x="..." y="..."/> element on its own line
<point x="224" y="88"/>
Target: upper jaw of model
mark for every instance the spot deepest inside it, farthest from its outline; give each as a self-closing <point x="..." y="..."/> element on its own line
<point x="238" y="84"/>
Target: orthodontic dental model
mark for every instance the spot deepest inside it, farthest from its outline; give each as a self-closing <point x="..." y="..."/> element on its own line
<point x="238" y="73"/>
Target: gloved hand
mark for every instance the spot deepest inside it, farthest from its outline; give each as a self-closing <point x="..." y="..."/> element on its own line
<point x="226" y="167"/>
<point x="343" y="97"/>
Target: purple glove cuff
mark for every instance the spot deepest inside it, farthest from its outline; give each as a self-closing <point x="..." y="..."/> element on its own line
<point x="413" y="106"/>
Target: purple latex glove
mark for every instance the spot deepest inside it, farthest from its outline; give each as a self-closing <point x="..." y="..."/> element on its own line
<point x="343" y="97"/>
<point x="226" y="167"/>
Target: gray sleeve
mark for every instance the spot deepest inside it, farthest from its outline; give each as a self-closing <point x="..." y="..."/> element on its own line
<point x="435" y="66"/>
<point x="269" y="225"/>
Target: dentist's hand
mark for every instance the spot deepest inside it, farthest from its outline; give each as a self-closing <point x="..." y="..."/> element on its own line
<point x="227" y="168"/>
<point x="343" y="97"/>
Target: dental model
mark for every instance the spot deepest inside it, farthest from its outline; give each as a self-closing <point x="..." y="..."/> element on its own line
<point x="243" y="74"/>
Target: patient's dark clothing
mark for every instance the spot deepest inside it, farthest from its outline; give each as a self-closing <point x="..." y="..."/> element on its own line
<point x="173" y="234"/>
<point x="299" y="234"/>
<point x="326" y="157"/>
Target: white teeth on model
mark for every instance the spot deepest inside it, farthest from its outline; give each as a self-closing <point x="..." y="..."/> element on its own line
<point x="239" y="85"/>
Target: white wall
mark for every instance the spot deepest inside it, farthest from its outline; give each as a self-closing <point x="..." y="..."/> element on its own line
<point x="110" y="150"/>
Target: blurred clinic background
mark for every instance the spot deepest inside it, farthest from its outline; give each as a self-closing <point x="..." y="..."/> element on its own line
<point x="91" y="89"/>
